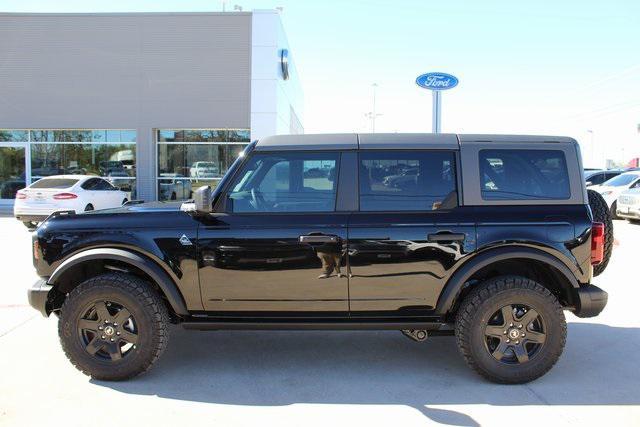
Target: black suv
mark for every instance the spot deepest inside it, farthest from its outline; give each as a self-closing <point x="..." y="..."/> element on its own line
<point x="485" y="237"/>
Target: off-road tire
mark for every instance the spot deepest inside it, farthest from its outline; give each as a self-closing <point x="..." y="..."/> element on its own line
<point x="602" y="213"/>
<point x="482" y="302"/>
<point x="144" y="304"/>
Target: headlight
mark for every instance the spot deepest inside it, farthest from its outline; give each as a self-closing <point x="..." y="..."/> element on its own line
<point x="606" y="193"/>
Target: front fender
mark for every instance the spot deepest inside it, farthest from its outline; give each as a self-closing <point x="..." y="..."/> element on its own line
<point x="454" y="285"/>
<point x="157" y="274"/>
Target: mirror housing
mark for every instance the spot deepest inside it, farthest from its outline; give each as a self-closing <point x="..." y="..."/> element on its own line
<point x="202" y="202"/>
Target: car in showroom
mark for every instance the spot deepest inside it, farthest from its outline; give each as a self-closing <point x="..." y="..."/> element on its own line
<point x="204" y="170"/>
<point x="495" y="242"/>
<point x="598" y="176"/>
<point x="71" y="193"/>
<point x="613" y="188"/>
<point x="174" y="186"/>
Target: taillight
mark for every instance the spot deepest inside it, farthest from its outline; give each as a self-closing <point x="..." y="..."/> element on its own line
<point x="20" y="195"/>
<point x="36" y="250"/>
<point x="65" y="196"/>
<point x="597" y="243"/>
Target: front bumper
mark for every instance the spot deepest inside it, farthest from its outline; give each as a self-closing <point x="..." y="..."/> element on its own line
<point x="591" y="301"/>
<point x="39" y="296"/>
<point x="628" y="211"/>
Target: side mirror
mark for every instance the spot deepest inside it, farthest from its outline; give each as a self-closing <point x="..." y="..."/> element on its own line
<point x="202" y="201"/>
<point x="589" y="183"/>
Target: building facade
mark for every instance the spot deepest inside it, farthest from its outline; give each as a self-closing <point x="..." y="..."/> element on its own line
<point x="158" y="103"/>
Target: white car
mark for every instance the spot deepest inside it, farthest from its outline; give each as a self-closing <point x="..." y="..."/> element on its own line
<point x="613" y="188"/>
<point x="628" y="205"/>
<point x="204" y="170"/>
<point x="173" y="186"/>
<point x="78" y="193"/>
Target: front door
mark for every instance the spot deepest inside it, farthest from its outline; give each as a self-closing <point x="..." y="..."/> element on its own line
<point x="409" y="232"/>
<point x="279" y="246"/>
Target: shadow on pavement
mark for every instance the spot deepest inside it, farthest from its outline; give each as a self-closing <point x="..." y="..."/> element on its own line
<point x="378" y="368"/>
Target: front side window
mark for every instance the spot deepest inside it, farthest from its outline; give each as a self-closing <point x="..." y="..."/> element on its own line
<point x="407" y="180"/>
<point x="288" y="182"/>
<point x="524" y="175"/>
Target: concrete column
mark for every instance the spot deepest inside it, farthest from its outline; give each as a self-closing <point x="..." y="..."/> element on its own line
<point x="146" y="164"/>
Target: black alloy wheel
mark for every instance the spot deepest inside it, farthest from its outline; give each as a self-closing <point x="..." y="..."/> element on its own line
<point x="108" y="331"/>
<point x="515" y="334"/>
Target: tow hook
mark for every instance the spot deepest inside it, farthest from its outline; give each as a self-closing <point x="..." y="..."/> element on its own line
<point x="417" y="335"/>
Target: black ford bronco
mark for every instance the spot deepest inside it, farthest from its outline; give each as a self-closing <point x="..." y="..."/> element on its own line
<point x="488" y="238"/>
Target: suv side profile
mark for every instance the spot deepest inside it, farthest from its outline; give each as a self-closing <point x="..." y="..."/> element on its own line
<point x="488" y="238"/>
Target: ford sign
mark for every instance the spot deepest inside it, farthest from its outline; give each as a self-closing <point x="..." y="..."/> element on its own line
<point x="437" y="81"/>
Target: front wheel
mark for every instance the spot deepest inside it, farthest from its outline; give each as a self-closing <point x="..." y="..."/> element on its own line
<point x="511" y="330"/>
<point x="113" y="327"/>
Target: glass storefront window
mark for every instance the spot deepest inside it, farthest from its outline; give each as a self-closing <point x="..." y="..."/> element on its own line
<point x="191" y="158"/>
<point x="80" y="135"/>
<point x="12" y="171"/>
<point x="11" y="135"/>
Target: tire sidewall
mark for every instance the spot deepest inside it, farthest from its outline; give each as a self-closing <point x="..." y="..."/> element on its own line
<point x="541" y="361"/>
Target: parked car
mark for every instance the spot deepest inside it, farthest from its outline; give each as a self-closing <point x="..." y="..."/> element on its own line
<point x="204" y="170"/>
<point x="173" y="186"/>
<point x="76" y="193"/>
<point x="471" y="253"/>
<point x="597" y="177"/>
<point x="628" y="205"/>
<point x="613" y="188"/>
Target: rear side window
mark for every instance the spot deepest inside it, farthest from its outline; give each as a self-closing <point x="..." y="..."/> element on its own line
<point x="54" y="183"/>
<point x="407" y="180"/>
<point x="524" y="175"/>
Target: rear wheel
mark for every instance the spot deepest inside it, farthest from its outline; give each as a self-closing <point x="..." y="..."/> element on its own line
<point x="601" y="213"/>
<point x="614" y="208"/>
<point x="88" y="208"/>
<point x="113" y="327"/>
<point x="173" y="196"/>
<point x="124" y="201"/>
<point x="511" y="330"/>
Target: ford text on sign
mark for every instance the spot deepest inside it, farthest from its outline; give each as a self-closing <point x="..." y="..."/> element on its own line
<point x="437" y="81"/>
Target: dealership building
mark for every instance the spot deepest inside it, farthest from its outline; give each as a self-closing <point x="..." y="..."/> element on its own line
<point x="157" y="103"/>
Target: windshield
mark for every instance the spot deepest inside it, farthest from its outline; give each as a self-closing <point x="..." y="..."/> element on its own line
<point x="54" y="183"/>
<point x="621" y="180"/>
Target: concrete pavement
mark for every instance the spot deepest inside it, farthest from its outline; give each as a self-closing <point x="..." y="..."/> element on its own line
<point x="319" y="378"/>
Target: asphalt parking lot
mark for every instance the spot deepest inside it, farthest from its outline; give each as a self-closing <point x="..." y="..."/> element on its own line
<point x="319" y="378"/>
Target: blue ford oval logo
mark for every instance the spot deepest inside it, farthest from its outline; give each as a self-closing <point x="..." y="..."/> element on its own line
<point x="437" y="81"/>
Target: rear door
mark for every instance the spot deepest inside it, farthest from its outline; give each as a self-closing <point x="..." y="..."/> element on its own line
<point x="409" y="232"/>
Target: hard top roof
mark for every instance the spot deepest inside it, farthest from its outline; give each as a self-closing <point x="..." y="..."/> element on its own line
<point x="353" y="141"/>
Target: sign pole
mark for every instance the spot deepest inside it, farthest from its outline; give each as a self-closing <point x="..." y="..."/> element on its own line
<point x="436" y="83"/>
<point x="437" y="111"/>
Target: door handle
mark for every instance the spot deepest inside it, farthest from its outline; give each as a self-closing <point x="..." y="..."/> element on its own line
<point x="446" y="237"/>
<point x="318" y="239"/>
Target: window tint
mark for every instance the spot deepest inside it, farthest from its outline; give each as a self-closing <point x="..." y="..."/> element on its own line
<point x="103" y="185"/>
<point x="90" y="184"/>
<point x="524" y="175"/>
<point x="407" y="181"/>
<point x="598" y="178"/>
<point x="289" y="182"/>
<point x="54" y="183"/>
<point x="621" y="180"/>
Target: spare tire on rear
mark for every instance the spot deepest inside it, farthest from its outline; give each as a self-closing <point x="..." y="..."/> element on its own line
<point x="601" y="213"/>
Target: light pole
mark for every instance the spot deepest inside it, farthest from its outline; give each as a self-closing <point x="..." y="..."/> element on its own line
<point x="371" y="115"/>
<point x="593" y="147"/>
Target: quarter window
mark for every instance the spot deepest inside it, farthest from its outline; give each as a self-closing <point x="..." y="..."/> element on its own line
<point x="407" y="180"/>
<point x="524" y="175"/>
<point x="291" y="182"/>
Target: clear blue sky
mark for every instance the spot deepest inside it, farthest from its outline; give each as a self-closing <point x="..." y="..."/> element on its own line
<point x="524" y="67"/>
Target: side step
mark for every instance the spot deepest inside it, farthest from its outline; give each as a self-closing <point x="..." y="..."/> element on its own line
<point x="311" y="325"/>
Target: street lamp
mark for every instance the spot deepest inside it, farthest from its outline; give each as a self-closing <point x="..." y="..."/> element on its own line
<point x="371" y="115"/>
